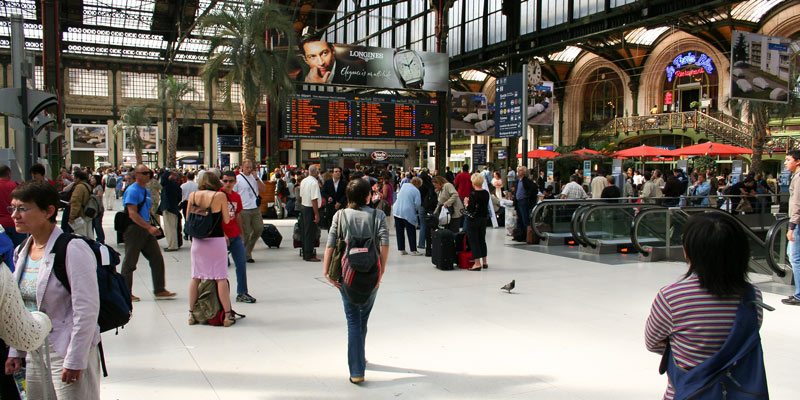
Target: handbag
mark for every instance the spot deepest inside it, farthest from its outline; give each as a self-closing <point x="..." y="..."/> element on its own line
<point x="199" y="220"/>
<point x="444" y="216"/>
<point x="335" y="267"/>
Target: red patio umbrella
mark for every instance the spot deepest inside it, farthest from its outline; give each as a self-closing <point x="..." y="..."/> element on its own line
<point x="586" y="152"/>
<point x="711" y="149"/>
<point x="642" y="151"/>
<point x="540" y="154"/>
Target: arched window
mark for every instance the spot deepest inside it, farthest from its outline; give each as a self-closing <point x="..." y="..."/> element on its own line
<point x="603" y="98"/>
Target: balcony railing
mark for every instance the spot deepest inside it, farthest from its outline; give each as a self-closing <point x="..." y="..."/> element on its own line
<point x="716" y="129"/>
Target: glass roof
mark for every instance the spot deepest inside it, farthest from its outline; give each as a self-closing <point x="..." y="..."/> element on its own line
<point x="645" y="36"/>
<point x="124" y="28"/>
<point x="567" y="55"/>
<point x="473" y="75"/>
<point x="753" y="10"/>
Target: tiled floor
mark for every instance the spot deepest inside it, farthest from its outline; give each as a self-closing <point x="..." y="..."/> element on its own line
<point x="573" y="329"/>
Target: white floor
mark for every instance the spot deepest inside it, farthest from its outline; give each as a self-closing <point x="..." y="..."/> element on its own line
<point x="573" y="329"/>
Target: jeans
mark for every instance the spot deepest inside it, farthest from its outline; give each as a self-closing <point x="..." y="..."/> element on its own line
<point x="16" y="237"/>
<point x="236" y="247"/>
<point x="357" y="316"/>
<point x="422" y="232"/>
<point x="523" y="214"/>
<point x="97" y="225"/>
<point x="401" y="225"/>
<point x="793" y="251"/>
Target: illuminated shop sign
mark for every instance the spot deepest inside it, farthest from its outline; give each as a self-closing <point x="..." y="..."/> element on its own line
<point x="701" y="60"/>
<point x="668" y="98"/>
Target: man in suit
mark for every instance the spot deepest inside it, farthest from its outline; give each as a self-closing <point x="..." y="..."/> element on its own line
<point x="333" y="190"/>
<point x="326" y="68"/>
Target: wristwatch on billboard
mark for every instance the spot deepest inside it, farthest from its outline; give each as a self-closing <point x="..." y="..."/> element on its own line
<point x="409" y="68"/>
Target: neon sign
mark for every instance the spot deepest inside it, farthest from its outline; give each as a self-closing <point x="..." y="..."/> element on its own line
<point x="701" y="60"/>
<point x="668" y="98"/>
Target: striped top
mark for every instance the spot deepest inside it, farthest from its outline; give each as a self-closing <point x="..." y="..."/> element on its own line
<point x="696" y="322"/>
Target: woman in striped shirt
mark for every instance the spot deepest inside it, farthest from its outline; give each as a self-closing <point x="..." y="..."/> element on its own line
<point x="696" y="314"/>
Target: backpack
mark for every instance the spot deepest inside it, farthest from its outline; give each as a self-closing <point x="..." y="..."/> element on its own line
<point x="199" y="220"/>
<point x="93" y="206"/>
<point x="361" y="265"/>
<point x="430" y="201"/>
<point x="111" y="182"/>
<point x="735" y="372"/>
<point x="208" y="307"/>
<point x="116" y="308"/>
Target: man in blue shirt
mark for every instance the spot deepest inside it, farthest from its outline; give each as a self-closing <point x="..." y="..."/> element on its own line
<point x="140" y="236"/>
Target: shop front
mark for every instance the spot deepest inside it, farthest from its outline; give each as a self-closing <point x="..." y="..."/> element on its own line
<point x="691" y="82"/>
<point x="352" y="158"/>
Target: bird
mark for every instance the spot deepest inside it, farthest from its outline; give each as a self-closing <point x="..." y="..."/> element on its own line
<point x="509" y="286"/>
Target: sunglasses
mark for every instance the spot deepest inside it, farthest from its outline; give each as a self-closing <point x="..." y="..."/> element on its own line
<point x="229" y="180"/>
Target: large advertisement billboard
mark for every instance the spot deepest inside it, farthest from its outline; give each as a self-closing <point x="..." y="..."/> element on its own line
<point x="760" y="67"/>
<point x="540" y="106"/>
<point x="353" y="65"/>
<point x="89" y="137"/>
<point x="469" y="112"/>
<point x="149" y="135"/>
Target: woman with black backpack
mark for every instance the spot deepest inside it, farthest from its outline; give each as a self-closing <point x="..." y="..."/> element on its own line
<point x="363" y="229"/>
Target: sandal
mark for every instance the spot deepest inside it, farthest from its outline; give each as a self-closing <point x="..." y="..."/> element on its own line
<point x="356" y="380"/>
<point x="192" y="320"/>
<point x="230" y="318"/>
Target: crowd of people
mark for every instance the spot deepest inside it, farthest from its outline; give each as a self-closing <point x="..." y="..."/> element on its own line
<point x="219" y="211"/>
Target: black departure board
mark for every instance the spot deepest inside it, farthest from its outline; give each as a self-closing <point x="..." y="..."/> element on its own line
<point x="320" y="115"/>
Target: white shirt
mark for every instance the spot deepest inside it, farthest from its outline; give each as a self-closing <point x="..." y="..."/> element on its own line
<point x="309" y="191"/>
<point x="638" y="179"/>
<point x="243" y="188"/>
<point x="188" y="188"/>
<point x="512" y="176"/>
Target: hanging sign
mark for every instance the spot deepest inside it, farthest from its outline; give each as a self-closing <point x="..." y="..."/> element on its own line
<point x="701" y="60"/>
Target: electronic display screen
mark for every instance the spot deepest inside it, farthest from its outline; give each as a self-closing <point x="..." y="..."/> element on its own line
<point x="319" y="115"/>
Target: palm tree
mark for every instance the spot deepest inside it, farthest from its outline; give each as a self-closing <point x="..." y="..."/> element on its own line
<point x="171" y="93"/>
<point x="240" y="54"/>
<point x="132" y="118"/>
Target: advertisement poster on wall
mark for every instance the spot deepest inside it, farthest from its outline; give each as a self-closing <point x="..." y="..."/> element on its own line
<point x="540" y="106"/>
<point x="353" y="65"/>
<point x="470" y="113"/>
<point x="149" y="135"/>
<point x="760" y="67"/>
<point x="89" y="137"/>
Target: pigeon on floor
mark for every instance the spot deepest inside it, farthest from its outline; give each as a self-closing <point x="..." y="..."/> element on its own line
<point x="509" y="286"/>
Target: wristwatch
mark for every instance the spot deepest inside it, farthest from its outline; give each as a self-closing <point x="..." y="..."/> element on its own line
<point x="409" y="68"/>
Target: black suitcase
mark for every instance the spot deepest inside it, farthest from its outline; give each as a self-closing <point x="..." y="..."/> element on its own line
<point x="271" y="236"/>
<point x="443" y="252"/>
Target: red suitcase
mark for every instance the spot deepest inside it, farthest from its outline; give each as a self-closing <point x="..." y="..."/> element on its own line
<point x="464" y="258"/>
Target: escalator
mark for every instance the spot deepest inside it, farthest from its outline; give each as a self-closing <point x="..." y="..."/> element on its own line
<point x="605" y="228"/>
<point x="656" y="235"/>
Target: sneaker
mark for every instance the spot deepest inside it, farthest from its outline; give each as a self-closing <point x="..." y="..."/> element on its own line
<point x="166" y="294"/>
<point x="403" y="253"/>
<point x="245" y="298"/>
<point x="192" y="321"/>
<point x="134" y="299"/>
<point x="791" y="301"/>
<point x="415" y="253"/>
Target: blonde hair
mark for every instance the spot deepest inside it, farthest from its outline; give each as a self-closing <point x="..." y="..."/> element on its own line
<point x="416" y="181"/>
<point x="440" y="180"/>
<point x="477" y="179"/>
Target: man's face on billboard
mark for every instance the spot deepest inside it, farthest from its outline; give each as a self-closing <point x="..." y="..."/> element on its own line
<point x="319" y="56"/>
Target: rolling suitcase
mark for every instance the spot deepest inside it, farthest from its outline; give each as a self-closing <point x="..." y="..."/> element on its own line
<point x="443" y="252"/>
<point x="271" y="236"/>
<point x="464" y="258"/>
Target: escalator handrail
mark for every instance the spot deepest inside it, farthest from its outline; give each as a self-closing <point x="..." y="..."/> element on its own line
<point x="585" y="216"/>
<point x="540" y="206"/>
<point x="772" y="236"/>
<point x="637" y="220"/>
<point x="574" y="223"/>
<point x="749" y="232"/>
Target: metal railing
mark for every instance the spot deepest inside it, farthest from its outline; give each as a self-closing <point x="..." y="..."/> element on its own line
<point x="762" y="257"/>
<point x="726" y="131"/>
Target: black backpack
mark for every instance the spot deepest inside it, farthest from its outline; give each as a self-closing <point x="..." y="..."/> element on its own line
<point x="116" y="308"/>
<point x="361" y="265"/>
<point x="111" y="182"/>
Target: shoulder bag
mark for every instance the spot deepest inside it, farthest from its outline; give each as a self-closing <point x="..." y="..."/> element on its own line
<point x="335" y="267"/>
<point x="258" y="198"/>
<point x="199" y="220"/>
